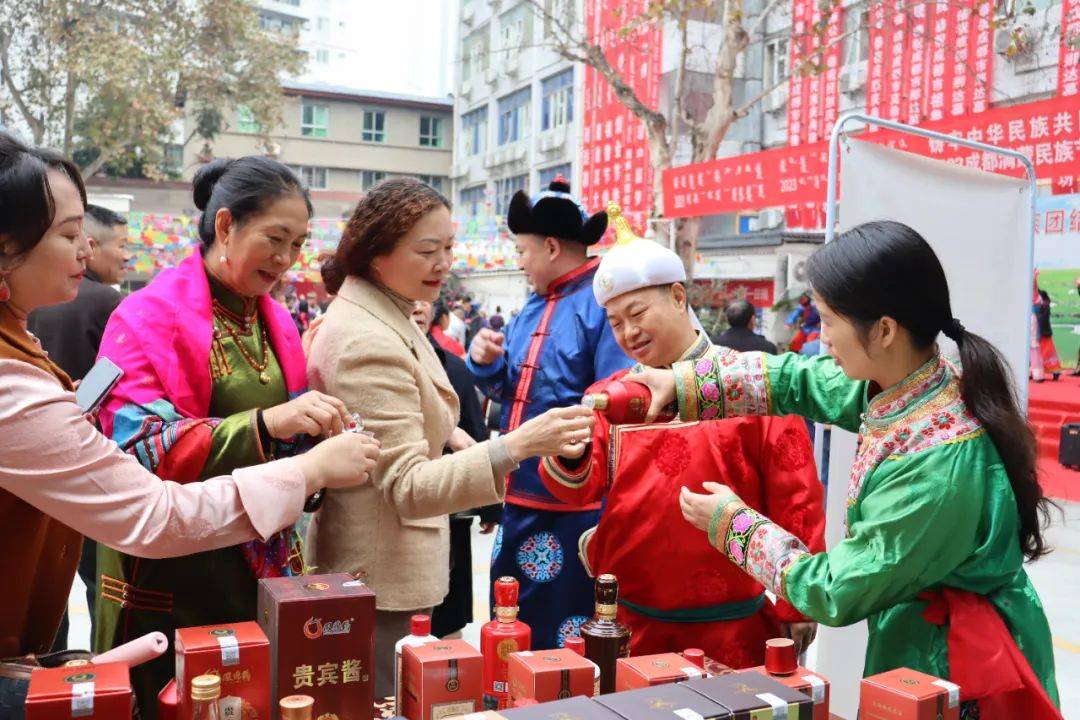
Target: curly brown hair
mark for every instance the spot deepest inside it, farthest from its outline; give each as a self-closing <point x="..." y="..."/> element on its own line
<point x="382" y="217"/>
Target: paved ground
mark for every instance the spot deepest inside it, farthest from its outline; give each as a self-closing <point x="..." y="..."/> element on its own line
<point x="1056" y="577"/>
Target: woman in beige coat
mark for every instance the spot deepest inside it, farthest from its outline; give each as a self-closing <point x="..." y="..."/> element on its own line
<point x="394" y="535"/>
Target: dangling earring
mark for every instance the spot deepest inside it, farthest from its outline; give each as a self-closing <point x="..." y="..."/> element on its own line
<point x="224" y="259"/>
<point x="5" y="291"/>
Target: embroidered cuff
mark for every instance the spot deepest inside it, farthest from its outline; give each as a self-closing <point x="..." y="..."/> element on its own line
<point x="721" y="520"/>
<point x="572" y="478"/>
<point x="763" y="549"/>
<point x="686" y="390"/>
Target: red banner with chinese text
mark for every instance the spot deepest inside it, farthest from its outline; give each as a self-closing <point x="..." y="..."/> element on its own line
<point x="614" y="148"/>
<point x="813" y="96"/>
<point x="1048" y="132"/>
<point x="1069" y="59"/>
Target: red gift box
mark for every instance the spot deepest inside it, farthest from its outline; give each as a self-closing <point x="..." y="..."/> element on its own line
<point x="808" y="683"/>
<point x="322" y="642"/>
<point x="648" y="670"/>
<point x="83" y="691"/>
<point x="546" y="675"/>
<point x="904" y="694"/>
<point x="442" y="679"/>
<point x="239" y="654"/>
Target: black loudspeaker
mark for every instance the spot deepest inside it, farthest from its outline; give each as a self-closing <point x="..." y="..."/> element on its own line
<point x="1069" y="452"/>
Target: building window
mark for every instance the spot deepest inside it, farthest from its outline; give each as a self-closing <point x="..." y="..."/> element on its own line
<point x="857" y="34"/>
<point x="475" y="54"/>
<point x="314" y="120"/>
<point x="173" y="161"/>
<point x="322" y="56"/>
<point x="431" y="131"/>
<point x="435" y="181"/>
<point x="558" y="100"/>
<point x="474" y="131"/>
<point x="505" y="189"/>
<point x="776" y="62"/>
<point x="279" y="25"/>
<point x="514" y="116"/>
<point x="374" y="126"/>
<point x="370" y="177"/>
<point x="245" y="120"/>
<point x="312" y="177"/>
<point x="561" y="10"/>
<point x="322" y="23"/>
<point x="549" y="174"/>
<point x="472" y="200"/>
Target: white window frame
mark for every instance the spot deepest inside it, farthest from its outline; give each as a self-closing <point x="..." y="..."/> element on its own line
<point x="311" y="129"/>
<point x="313" y="177"/>
<point x="432" y="139"/>
<point x="374" y="134"/>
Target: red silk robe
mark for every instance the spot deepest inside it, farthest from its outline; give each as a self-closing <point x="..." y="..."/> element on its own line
<point x="664" y="565"/>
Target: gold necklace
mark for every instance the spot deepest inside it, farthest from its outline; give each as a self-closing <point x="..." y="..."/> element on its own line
<point x="227" y="318"/>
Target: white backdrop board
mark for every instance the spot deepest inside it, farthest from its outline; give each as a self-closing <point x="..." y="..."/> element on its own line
<point x="979" y="224"/>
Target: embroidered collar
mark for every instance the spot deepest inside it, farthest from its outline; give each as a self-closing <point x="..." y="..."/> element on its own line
<point x="698" y="349"/>
<point x="910" y="393"/>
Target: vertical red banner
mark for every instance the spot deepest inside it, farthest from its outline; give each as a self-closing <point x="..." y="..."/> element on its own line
<point x="812" y="105"/>
<point x="797" y="49"/>
<point x="1069" y="59"/>
<point x="615" y="163"/>
<point x="830" y="76"/>
<point x="939" y="99"/>
<point x="898" y="35"/>
<point x="982" y="45"/>
<point x="912" y="109"/>
<point x="877" y="79"/>
<point x="963" y="78"/>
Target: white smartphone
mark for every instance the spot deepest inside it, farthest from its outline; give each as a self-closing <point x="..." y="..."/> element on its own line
<point x="97" y="384"/>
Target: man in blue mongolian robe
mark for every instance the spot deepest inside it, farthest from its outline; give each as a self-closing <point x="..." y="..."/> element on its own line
<point x="558" y="345"/>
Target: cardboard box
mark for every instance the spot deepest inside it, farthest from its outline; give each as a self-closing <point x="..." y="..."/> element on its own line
<point x="664" y="702"/>
<point x="239" y="653"/>
<point x="750" y="695"/>
<point x="575" y="708"/>
<point x="442" y="679"/>
<point x="85" y="691"/>
<point x="808" y="683"/>
<point x="648" y="670"/>
<point x="546" y="675"/>
<point x="904" y="694"/>
<point x="322" y="642"/>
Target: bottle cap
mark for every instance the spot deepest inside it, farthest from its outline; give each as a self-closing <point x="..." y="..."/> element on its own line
<point x="206" y="687"/>
<point x="296" y="707"/>
<point x="506" y="592"/>
<point x="595" y="401"/>
<point x="780" y="657"/>
<point x="575" y="643"/>
<point x="76" y="663"/>
<point x="696" y="656"/>
<point x="420" y="625"/>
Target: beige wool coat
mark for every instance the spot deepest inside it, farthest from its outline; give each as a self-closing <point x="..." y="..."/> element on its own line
<point x="393" y="534"/>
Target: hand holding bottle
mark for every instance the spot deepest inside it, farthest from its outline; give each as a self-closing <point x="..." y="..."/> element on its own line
<point x="345" y="460"/>
<point x="661" y="384"/>
<point x="313" y="413"/>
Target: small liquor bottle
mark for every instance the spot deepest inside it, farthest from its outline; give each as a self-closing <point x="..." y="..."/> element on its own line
<point x="500" y="637"/>
<point x="419" y="633"/>
<point x="297" y="707"/>
<point x="624" y="403"/>
<point x="606" y="639"/>
<point x="205" y="693"/>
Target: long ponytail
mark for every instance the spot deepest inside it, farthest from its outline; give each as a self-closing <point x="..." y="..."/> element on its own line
<point x="988" y="390"/>
<point x="881" y="269"/>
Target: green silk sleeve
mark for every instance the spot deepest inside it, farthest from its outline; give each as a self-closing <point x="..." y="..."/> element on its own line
<point x="727" y="384"/>
<point x="916" y="522"/>
<point x="234" y="444"/>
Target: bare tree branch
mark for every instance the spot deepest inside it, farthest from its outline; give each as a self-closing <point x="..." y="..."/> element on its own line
<point x="37" y="127"/>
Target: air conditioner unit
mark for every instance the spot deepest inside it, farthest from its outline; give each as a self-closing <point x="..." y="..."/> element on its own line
<point x="853" y="78"/>
<point x="770" y="219"/>
<point x="491" y="75"/>
<point x="512" y="63"/>
<point x="1002" y="40"/>
<point x="776" y="100"/>
<point x="493" y="159"/>
<point x="518" y="152"/>
<point x="459" y="170"/>
<point x="552" y="140"/>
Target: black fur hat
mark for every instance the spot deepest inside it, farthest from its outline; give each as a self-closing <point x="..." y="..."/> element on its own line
<point x="555" y="213"/>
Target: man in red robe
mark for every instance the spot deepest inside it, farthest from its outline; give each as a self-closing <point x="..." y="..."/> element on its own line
<point x="674" y="593"/>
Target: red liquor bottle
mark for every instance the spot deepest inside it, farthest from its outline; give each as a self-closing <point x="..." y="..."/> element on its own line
<point x="606" y="639"/>
<point x="500" y="637"/>
<point x="624" y="403"/>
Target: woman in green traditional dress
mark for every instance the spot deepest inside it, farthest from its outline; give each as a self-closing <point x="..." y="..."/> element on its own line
<point x="943" y="507"/>
<point x="214" y="380"/>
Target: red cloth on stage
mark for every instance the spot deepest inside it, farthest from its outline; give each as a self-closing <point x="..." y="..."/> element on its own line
<point x="662" y="561"/>
<point x="984" y="659"/>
